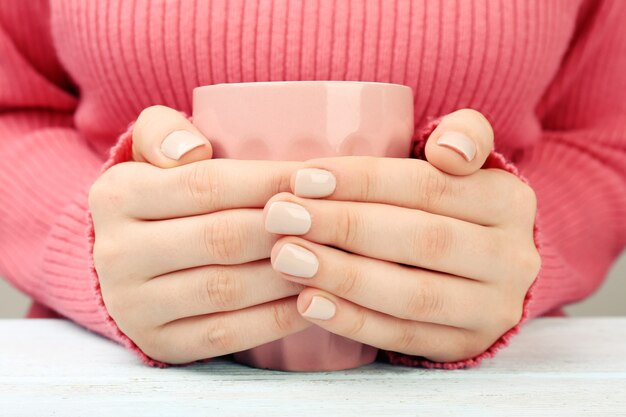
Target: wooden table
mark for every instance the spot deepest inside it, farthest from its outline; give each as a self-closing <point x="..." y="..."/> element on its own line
<point x="565" y="367"/>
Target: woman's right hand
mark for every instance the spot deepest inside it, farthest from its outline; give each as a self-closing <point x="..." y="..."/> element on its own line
<point x="181" y="251"/>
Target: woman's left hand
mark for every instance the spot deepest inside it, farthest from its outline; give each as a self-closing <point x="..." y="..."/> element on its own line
<point x="405" y="257"/>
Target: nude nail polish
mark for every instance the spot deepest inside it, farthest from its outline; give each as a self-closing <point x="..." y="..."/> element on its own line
<point x="314" y="183"/>
<point x="179" y="142"/>
<point x="297" y="261"/>
<point x="287" y="218"/>
<point x="320" y="308"/>
<point x="459" y="143"/>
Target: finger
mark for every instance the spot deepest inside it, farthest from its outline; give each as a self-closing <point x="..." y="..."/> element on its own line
<point x="224" y="238"/>
<point x="202" y="187"/>
<point x="165" y="138"/>
<point x="397" y="290"/>
<point x="461" y="142"/>
<point x="213" y="289"/>
<point x="391" y="233"/>
<point x="208" y="336"/>
<point x="339" y="316"/>
<point x="482" y="198"/>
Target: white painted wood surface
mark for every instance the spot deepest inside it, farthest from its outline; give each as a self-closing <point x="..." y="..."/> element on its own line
<point x="555" y="367"/>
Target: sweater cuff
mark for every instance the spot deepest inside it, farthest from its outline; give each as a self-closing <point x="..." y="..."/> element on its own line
<point x="495" y="160"/>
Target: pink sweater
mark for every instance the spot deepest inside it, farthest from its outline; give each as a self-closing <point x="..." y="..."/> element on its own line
<point x="550" y="76"/>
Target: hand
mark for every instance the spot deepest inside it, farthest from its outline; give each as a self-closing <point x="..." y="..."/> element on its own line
<point x="181" y="253"/>
<point x="407" y="258"/>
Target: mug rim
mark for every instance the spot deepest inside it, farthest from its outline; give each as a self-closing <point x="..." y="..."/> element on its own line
<point x="284" y="83"/>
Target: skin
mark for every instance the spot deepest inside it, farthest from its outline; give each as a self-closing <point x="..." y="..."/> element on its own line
<point x="430" y="258"/>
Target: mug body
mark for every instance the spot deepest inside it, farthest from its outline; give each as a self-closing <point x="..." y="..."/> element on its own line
<point x="300" y="120"/>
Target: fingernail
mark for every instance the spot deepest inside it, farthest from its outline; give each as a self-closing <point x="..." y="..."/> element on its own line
<point x="295" y="260"/>
<point x="320" y="308"/>
<point x="287" y="219"/>
<point x="459" y="143"/>
<point x="179" y="142"/>
<point x="314" y="183"/>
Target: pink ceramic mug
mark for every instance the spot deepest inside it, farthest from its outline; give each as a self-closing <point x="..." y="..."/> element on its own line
<point x="300" y="120"/>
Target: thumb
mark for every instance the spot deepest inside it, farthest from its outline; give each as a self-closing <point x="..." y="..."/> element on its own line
<point x="165" y="138"/>
<point x="461" y="142"/>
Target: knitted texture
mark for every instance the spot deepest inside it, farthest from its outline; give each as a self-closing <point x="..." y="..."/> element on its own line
<point x="550" y="76"/>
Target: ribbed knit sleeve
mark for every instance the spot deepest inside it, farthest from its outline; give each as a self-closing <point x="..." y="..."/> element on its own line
<point x="578" y="171"/>
<point x="47" y="170"/>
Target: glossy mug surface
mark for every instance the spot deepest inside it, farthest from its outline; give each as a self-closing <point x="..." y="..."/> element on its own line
<point x="300" y="120"/>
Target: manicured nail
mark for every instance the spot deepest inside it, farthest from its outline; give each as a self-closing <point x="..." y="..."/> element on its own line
<point x="179" y="142"/>
<point x="295" y="260"/>
<point x="459" y="143"/>
<point x="314" y="183"/>
<point x="287" y="218"/>
<point x="320" y="308"/>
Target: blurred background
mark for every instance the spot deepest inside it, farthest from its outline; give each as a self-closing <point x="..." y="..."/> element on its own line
<point x="610" y="300"/>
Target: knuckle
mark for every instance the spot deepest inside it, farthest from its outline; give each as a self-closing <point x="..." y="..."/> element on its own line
<point x="414" y="178"/>
<point x="118" y="173"/>
<point x="283" y="317"/>
<point x="432" y="241"/>
<point x="153" y="349"/>
<point x="433" y="186"/>
<point x="522" y="259"/>
<point x="526" y="196"/>
<point x="201" y="182"/>
<point x="368" y="179"/>
<point x="160" y="345"/>
<point x="221" y="289"/>
<point x="111" y="301"/>
<point x="115" y="255"/>
<point x="220" y="337"/>
<point x="529" y="265"/>
<point x="107" y="193"/>
<point x="157" y="352"/>
<point x="95" y="194"/>
<point x="455" y="345"/>
<point x="352" y="231"/>
<point x="407" y="339"/>
<point x="223" y="238"/>
<point x="506" y="312"/>
<point x="469" y="347"/>
<point x="357" y="325"/>
<point x="523" y="199"/>
<point x="278" y="183"/>
<point x="349" y="283"/>
<point x="120" y="306"/>
<point x="512" y="317"/>
<point x="531" y="262"/>
<point x="424" y="303"/>
<point x="104" y="254"/>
